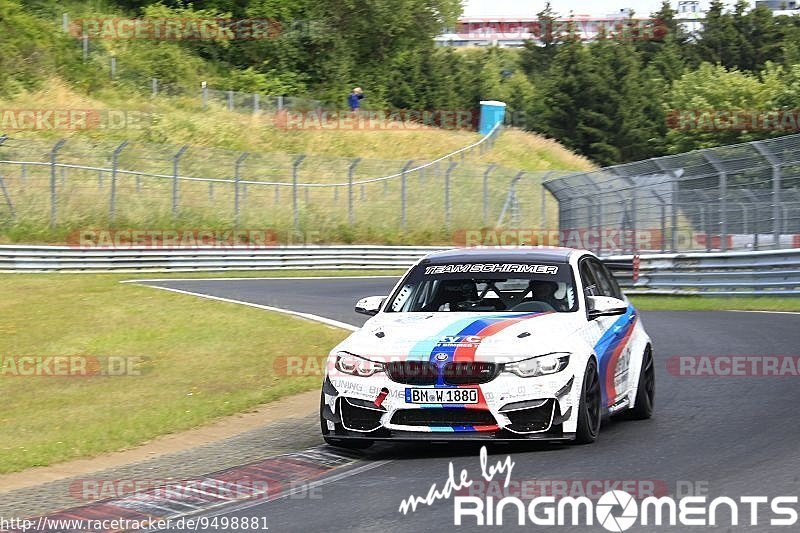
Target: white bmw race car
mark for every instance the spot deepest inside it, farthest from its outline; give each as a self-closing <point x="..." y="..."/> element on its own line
<point x="490" y="344"/>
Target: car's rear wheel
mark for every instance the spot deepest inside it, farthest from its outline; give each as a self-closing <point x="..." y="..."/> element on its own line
<point x="350" y="444"/>
<point x="646" y="390"/>
<point x="589" y="408"/>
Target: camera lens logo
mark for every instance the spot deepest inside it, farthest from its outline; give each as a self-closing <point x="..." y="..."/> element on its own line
<point x="611" y="500"/>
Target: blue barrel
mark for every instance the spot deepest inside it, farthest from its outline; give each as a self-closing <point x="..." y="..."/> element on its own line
<point x="492" y="113"/>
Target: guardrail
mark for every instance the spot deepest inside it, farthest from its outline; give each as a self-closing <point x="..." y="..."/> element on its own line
<point x="775" y="272"/>
<point x="772" y="272"/>
<point x="69" y="259"/>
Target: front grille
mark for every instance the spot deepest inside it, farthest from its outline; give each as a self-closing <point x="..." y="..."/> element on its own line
<point x="427" y="373"/>
<point x="470" y="373"/>
<point x="359" y="418"/>
<point x="412" y="372"/>
<point x="443" y="417"/>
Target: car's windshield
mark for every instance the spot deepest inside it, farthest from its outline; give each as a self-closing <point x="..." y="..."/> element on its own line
<point x="486" y="287"/>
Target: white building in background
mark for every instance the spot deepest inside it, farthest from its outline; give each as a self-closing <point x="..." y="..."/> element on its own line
<point x="781" y="7"/>
<point x="690" y="16"/>
<point x="513" y="32"/>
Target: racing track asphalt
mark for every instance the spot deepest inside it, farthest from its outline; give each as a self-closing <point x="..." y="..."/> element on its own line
<point x="736" y="436"/>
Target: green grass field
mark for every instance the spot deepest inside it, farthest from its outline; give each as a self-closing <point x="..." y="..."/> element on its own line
<point x="202" y="360"/>
<point x="717" y="303"/>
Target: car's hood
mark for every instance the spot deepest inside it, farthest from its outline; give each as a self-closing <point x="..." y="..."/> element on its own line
<point x="476" y="336"/>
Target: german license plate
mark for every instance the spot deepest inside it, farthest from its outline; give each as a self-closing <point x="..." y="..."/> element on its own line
<point x="442" y="396"/>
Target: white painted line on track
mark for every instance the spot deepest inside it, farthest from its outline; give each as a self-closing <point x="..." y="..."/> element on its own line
<point x="771" y="312"/>
<point x="228" y="507"/>
<point x="307" y="316"/>
<point x="245" y="278"/>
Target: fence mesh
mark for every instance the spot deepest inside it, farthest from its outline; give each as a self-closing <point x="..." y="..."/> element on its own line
<point x="744" y="196"/>
<point x="79" y="184"/>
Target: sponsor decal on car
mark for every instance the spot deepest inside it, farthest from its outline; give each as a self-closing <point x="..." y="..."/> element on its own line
<point x="520" y="268"/>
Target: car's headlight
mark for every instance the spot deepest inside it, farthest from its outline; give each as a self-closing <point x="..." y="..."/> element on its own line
<point x="541" y="365"/>
<point x="356" y="366"/>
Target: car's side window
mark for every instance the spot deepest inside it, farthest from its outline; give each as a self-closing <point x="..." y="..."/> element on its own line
<point x="590" y="287"/>
<point x="605" y="286"/>
<point x="616" y="292"/>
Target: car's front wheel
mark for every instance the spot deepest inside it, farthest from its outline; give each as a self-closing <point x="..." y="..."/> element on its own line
<point x="350" y="444"/>
<point x="590" y="406"/>
<point x="646" y="390"/>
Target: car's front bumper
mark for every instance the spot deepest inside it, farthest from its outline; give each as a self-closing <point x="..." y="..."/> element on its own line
<point x="509" y="408"/>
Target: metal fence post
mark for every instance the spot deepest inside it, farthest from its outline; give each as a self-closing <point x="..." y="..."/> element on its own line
<point x="673" y="208"/>
<point x="236" y="178"/>
<point x="112" y="200"/>
<point x="230" y="100"/>
<point x="350" y="172"/>
<point x="113" y="67"/>
<point x="204" y="94"/>
<point x="85" y="45"/>
<point x="175" y="161"/>
<point x="543" y="200"/>
<point x="4" y="138"/>
<point x="723" y="199"/>
<point x="8" y="198"/>
<point x="280" y="103"/>
<point x="486" y="173"/>
<point x="53" y="192"/>
<point x="447" y="192"/>
<point x="403" y="194"/>
<point x="776" y="191"/>
<point x="295" y="211"/>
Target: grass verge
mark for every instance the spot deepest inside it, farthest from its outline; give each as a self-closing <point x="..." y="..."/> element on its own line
<point x="718" y="303"/>
<point x="204" y="360"/>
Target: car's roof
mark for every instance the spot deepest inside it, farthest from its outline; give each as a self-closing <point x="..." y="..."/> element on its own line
<point x="547" y="255"/>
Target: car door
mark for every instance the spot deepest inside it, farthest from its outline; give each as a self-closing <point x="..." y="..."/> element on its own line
<point x="613" y="348"/>
<point x="597" y="327"/>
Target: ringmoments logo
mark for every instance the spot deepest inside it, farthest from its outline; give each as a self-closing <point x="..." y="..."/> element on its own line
<point x="615" y="510"/>
<point x="618" y="510"/>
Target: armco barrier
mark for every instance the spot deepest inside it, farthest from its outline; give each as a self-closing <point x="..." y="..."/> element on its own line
<point x="67" y="259"/>
<point x="732" y="273"/>
<point x="772" y="272"/>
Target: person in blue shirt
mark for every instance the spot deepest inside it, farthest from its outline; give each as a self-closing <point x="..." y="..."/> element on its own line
<point x="354" y="99"/>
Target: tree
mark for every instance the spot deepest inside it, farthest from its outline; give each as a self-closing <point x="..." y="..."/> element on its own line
<point x="537" y="54"/>
<point x="713" y="106"/>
